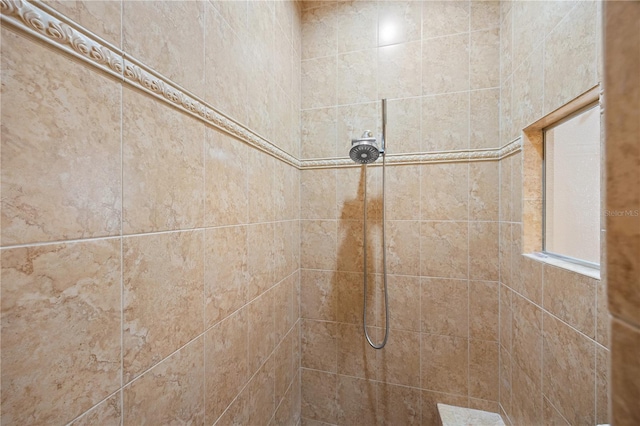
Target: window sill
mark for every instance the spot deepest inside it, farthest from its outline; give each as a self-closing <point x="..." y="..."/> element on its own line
<point x="579" y="269"/>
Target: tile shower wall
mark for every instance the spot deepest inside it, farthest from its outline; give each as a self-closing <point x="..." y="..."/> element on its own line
<point x="438" y="63"/>
<point x="150" y="263"/>
<point x="554" y="336"/>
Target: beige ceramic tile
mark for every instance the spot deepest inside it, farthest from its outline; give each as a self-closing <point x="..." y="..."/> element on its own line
<point x="551" y="415"/>
<point x="319" y="82"/>
<point x="170" y="393"/>
<point x="528" y="29"/>
<point x="226" y="202"/>
<point x="283" y="306"/>
<point x="399" y="22"/>
<point x="350" y="193"/>
<point x="163" y="282"/>
<point x="403" y="247"/>
<point x="571" y="297"/>
<point x="430" y="415"/>
<point x="483" y="310"/>
<point x="319" y="132"/>
<point x="403" y="125"/>
<point x="286" y="244"/>
<point x="505" y="189"/>
<point x="108" y="413"/>
<point x="318" y="244"/>
<point x="504" y="247"/>
<point x="484" y="15"/>
<point x="225" y="275"/>
<point x="603" y="368"/>
<point x="404" y="292"/>
<point x="261" y="184"/>
<point x="357" y="401"/>
<point x="350" y="245"/>
<point x="356" y="77"/>
<point x="151" y="43"/>
<point x="505" y="380"/>
<point x="570" y="57"/>
<point x="319" y="32"/>
<point x="527" y="276"/>
<point x="444" y="249"/>
<point x="528" y="94"/>
<point x="507" y="126"/>
<point x="444" y="364"/>
<point x="483" y="251"/>
<point x="516" y="188"/>
<point x="506" y="318"/>
<point x="445" y="122"/>
<point x="353" y="120"/>
<point x="484" y="59"/>
<point x="103" y="18"/>
<point x="506" y="45"/>
<point x="234" y="12"/>
<point x="57" y="185"/>
<point x="603" y="318"/>
<point x="527" y="339"/>
<point x="402" y="193"/>
<point x="569" y="361"/>
<point x="319" y="345"/>
<point x="318" y="194"/>
<point x="399" y="69"/>
<point x="288" y="412"/>
<point x="484" y="194"/>
<point x="445" y="64"/>
<point x="319" y="396"/>
<point x="259" y="395"/>
<point x="60" y="329"/>
<point x="398" y="405"/>
<point x="163" y="166"/>
<point x="318" y="295"/>
<point x="349" y="298"/>
<point x="526" y="398"/>
<point x="444" y="307"/>
<point x="285" y="368"/>
<point x="625" y="368"/>
<point x="484" y="125"/>
<point x="444" y="193"/>
<point x="355" y="356"/>
<point x="226" y="364"/>
<point x="399" y="362"/>
<point x="441" y="18"/>
<point x="260" y="264"/>
<point x="262" y="336"/>
<point x="356" y="25"/>
<point x="483" y="370"/>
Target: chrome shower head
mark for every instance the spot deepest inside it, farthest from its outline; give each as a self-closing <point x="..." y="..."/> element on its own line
<point x="364" y="150"/>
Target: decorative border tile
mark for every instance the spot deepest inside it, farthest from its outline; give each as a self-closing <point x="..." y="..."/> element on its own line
<point x="49" y="26"/>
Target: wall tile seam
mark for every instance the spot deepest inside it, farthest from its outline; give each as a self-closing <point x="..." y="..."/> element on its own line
<point x="51" y="27"/>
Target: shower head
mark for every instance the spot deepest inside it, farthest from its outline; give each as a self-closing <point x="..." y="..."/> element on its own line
<point x="364" y="150"/>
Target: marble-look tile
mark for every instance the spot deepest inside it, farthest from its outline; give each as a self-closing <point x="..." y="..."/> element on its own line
<point x="528" y="91"/>
<point x="399" y="69"/>
<point x="603" y="317"/>
<point x="571" y="297"/>
<point x="444" y="364"/>
<point x="318" y="194"/>
<point x="234" y="13"/>
<point x="145" y="36"/>
<point x="526" y="398"/>
<point x="506" y="45"/>
<point x="483" y="251"/>
<point x="399" y="22"/>
<point x="318" y="244"/>
<point x="445" y="64"/>
<point x="225" y="274"/>
<point x="60" y="330"/>
<point x="285" y="368"/>
<point x="107" y="413"/>
<point x="318" y="295"/>
<point x="526" y="275"/>
<point x="440" y="18"/>
<point x="516" y="188"/>
<point x="484" y="15"/>
<point x="57" y="182"/>
<point x="319" y="345"/>
<point x="288" y="412"/>
<point x="444" y="307"/>
<point x="170" y="393"/>
<point x="483" y="310"/>
<point x="505" y="189"/>
<point x="357" y="401"/>
<point x="353" y="120"/>
<point x="528" y="29"/>
<point x="404" y="292"/>
<point x="260" y="263"/>
<point x="398" y="405"/>
<point x="551" y="415"/>
<point x="319" y="32"/>
<point x="484" y="59"/>
<point x="404" y="125"/>
<point x="356" y="77"/>
<point x="355" y="357"/>
<point x="508" y="131"/>
<point x="603" y="368"/>
<point x="444" y="249"/>
<point x="163" y="166"/>
<point x="484" y="197"/>
<point x="484" y="125"/>
<point x="483" y="370"/>
<point x="430" y="415"/>
<point x="351" y="245"/>
<point x="226" y="202"/>
<point x="319" y="396"/>
<point x="319" y="133"/>
<point x="262" y="336"/>
<point x="349" y="298"/>
<point x="357" y="29"/>
<point x="445" y="120"/>
<point x="226" y="363"/>
<point x="506" y="317"/>
<point x="260" y="186"/>
<point x="505" y="378"/>
<point x="444" y="191"/>
<point x="399" y="362"/>
<point x="625" y="369"/>
<point x="570" y="57"/>
<point x="163" y="279"/>
<point x="402" y="193"/>
<point x="225" y="60"/>
<point x="403" y="247"/>
<point x="527" y="339"/>
<point x="504" y="247"/>
<point x="284" y="315"/>
<point x="318" y="82"/>
<point x="569" y="378"/>
<point x="103" y="18"/>
<point x="491" y="408"/>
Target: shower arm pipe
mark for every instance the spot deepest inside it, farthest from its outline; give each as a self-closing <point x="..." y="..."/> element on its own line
<point x="384" y="243"/>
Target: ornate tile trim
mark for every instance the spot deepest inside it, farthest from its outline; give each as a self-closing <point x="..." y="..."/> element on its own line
<point x="49" y="26"/>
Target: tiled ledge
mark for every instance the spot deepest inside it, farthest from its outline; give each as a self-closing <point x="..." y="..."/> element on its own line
<point x="47" y="25"/>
